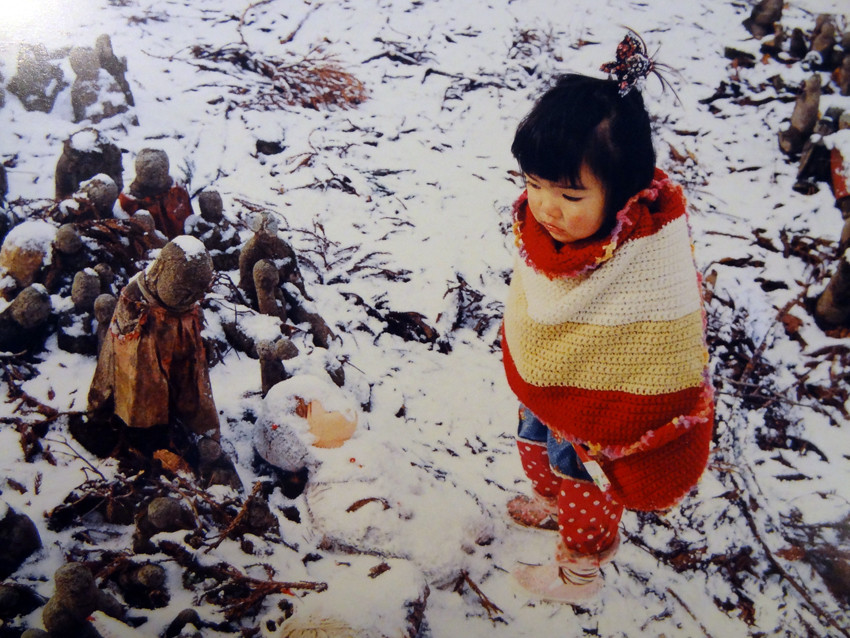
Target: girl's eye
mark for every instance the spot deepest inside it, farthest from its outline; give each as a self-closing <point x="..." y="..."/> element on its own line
<point x="570" y="198"/>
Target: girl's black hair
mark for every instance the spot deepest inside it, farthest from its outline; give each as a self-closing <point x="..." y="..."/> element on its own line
<point x="584" y="120"/>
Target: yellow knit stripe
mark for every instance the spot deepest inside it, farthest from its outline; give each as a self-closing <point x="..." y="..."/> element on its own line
<point x="643" y="358"/>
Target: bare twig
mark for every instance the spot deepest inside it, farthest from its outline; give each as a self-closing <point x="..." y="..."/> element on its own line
<point x="490" y="607"/>
<point x="783" y="573"/>
<point x="77" y="455"/>
<point x="688" y="609"/>
<point x="234" y="607"/>
<point x="237" y="520"/>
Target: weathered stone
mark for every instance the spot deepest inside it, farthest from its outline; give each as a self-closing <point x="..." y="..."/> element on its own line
<point x="823" y="43"/>
<point x="68" y="240"/>
<point x="270" y="147"/>
<point x="76" y="334"/>
<point x="797" y="47"/>
<point x="215" y="231"/>
<point x="177" y="278"/>
<point x="84" y="90"/>
<point x="23" y="324"/>
<point x="166" y="514"/>
<point x="85" y="290"/>
<point x="803" y="118"/>
<point x="763" y="17"/>
<point x="86" y="154"/>
<point x="31" y="308"/>
<point x="102" y="191"/>
<point x="94" y="92"/>
<point x="154" y="190"/>
<point x="184" y="618"/>
<point x="38" y="81"/>
<point x="272" y="356"/>
<point x="152" y="173"/>
<point x="266" y="244"/>
<point x="215" y="466"/>
<point x="266" y="281"/>
<point x="25" y="249"/>
<point x="211" y="206"/>
<point x="833" y="305"/>
<point x="19" y="539"/>
<point x="76" y="597"/>
<point x="115" y="66"/>
<point x="104" y="306"/>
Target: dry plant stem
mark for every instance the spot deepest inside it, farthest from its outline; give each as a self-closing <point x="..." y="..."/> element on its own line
<point x="77" y="455"/>
<point x="16" y="392"/>
<point x="763" y="345"/>
<point x="241" y="24"/>
<point x="259" y="589"/>
<point x="356" y="505"/>
<point x="237" y="520"/>
<point x="819" y="611"/>
<point x="490" y="607"/>
<point x="187" y="490"/>
<point x="690" y="613"/>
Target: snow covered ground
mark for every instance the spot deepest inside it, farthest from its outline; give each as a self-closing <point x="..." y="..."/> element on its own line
<point x="391" y="205"/>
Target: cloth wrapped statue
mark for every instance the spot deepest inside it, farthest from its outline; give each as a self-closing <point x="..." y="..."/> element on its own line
<point x="152" y="365"/>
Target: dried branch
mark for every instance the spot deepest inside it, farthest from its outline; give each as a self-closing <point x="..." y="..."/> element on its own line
<point x="746" y="510"/>
<point x="238" y="594"/>
<point x="690" y="613"/>
<point x="489" y="606"/>
<point x="314" y="81"/>
<point x="237" y="520"/>
<point x="77" y="455"/>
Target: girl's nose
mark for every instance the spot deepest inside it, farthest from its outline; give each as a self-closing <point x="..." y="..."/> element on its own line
<point x="549" y="208"/>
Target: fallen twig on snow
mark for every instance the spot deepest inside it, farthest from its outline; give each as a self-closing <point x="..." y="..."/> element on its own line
<point x="690" y="613"/>
<point x="237" y="593"/>
<point x="236" y="519"/>
<point x="489" y="606"/>
<point x="783" y="573"/>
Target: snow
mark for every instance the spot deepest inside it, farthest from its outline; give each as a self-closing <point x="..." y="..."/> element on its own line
<point x="33" y="236"/>
<point x="192" y="247"/>
<point x="396" y="201"/>
<point x="85" y="142"/>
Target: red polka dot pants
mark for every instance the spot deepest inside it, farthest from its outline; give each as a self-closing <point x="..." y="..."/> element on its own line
<point x="535" y="463"/>
<point x="588" y="518"/>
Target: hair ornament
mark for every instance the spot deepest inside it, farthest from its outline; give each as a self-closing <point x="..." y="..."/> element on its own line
<point x="633" y="64"/>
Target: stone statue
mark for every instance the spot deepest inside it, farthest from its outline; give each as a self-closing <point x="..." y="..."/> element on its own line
<point x="155" y="191"/>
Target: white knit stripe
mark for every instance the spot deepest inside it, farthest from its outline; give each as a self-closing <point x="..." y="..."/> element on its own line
<point x="652" y="278"/>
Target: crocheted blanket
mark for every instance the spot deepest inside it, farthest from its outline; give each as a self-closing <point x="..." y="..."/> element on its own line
<point x="604" y="340"/>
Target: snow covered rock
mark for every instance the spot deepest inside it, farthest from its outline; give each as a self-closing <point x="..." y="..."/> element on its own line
<point x="366" y="597"/>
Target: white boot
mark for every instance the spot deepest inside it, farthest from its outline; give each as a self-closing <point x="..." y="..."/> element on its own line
<point x="573" y="578"/>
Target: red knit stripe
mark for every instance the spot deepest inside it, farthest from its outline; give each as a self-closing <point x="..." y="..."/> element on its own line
<point x="603" y="417"/>
<point x="652" y="480"/>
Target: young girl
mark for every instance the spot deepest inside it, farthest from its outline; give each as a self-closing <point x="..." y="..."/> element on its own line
<point x="603" y="335"/>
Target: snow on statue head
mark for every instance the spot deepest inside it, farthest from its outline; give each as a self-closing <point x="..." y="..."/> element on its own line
<point x="301" y="413"/>
<point x="181" y="273"/>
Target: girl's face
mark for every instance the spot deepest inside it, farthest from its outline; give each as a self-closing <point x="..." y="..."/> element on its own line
<point x="568" y="212"/>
